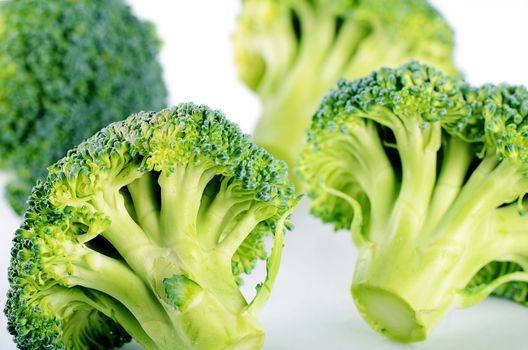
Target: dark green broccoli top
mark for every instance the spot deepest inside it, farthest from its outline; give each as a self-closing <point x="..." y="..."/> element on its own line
<point x="68" y="69"/>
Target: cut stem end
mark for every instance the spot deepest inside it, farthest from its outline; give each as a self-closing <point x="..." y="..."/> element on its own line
<point x="388" y="313"/>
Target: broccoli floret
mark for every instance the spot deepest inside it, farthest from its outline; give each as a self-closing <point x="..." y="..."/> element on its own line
<point x="68" y="68"/>
<point x="144" y="230"/>
<point x="429" y="174"/>
<point x="292" y="52"/>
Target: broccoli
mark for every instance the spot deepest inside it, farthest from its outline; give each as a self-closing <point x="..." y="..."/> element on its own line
<point x="291" y="52"/>
<point x="429" y="174"/>
<point x="144" y="230"/>
<point x="68" y="68"/>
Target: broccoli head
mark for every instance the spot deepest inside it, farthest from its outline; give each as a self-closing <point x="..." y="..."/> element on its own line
<point x="144" y="230"/>
<point x="429" y="174"/>
<point x="291" y="52"/>
<point x="69" y="68"/>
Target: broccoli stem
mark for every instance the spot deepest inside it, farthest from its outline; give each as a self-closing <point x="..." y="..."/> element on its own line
<point x="175" y="250"/>
<point x="376" y="169"/>
<point x="272" y="269"/>
<point x="290" y="98"/>
<point x="372" y="169"/>
<point x="457" y="159"/>
<point x="430" y="265"/>
<point x="234" y="237"/>
<point x="291" y="109"/>
<point x="179" y="204"/>
<point x="210" y="326"/>
<point x="220" y="211"/>
<point x="368" y="55"/>
<point x="343" y="50"/>
<point x="491" y="185"/>
<point x="143" y="193"/>
<point x="356" y="227"/>
<point x="475" y="296"/>
<point x="218" y="318"/>
<point x="72" y="304"/>
<point x="291" y="103"/>
<point x="509" y="222"/>
<point x="408" y="213"/>
<point x="101" y="273"/>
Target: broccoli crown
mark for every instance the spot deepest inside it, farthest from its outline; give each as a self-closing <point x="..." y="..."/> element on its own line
<point x="414" y="89"/>
<point x="68" y="69"/>
<point x="144" y="230"/>
<point x="402" y="29"/>
<point x="498" y="120"/>
<point x="291" y="52"/>
<point x="429" y="174"/>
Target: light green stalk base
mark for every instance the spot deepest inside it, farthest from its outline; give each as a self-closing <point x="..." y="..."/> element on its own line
<point x="250" y="342"/>
<point x="416" y="261"/>
<point x="179" y="284"/>
<point x="389" y="314"/>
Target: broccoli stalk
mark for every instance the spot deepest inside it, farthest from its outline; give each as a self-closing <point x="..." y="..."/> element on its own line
<point x="144" y="230"/>
<point x="430" y="176"/>
<point x="291" y="52"/>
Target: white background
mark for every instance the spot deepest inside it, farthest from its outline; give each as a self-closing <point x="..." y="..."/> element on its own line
<point x="310" y="307"/>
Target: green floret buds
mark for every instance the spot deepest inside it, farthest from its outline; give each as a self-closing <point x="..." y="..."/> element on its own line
<point x="68" y="68"/>
<point x="291" y="52"/>
<point x="144" y="230"/>
<point x="430" y="175"/>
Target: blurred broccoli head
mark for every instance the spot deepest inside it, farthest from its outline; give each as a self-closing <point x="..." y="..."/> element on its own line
<point x="430" y="176"/>
<point x="144" y="230"/>
<point x="68" y="69"/>
<point x="291" y="52"/>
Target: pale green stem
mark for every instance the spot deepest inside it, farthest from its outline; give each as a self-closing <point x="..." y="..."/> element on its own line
<point x="222" y="209"/>
<point x="317" y="35"/>
<point x="143" y="193"/>
<point x="125" y="176"/>
<point x="368" y="57"/>
<point x="181" y="194"/>
<point x="234" y="236"/>
<point x="278" y="47"/>
<point x="60" y="298"/>
<point x="175" y="206"/>
<point x="418" y="156"/>
<point x="511" y="226"/>
<point x="272" y="268"/>
<point x="124" y="234"/>
<point x="343" y="50"/>
<point x="217" y="218"/>
<point x="112" y="277"/>
<point x="467" y="299"/>
<point x="364" y="159"/>
<point x="457" y="158"/>
<point x="294" y="100"/>
<point x="356" y="227"/>
<point x="490" y="186"/>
